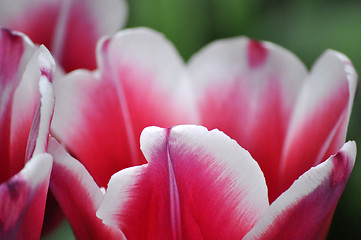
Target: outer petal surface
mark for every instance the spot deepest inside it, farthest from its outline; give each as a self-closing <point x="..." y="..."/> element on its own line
<point x="248" y="89"/>
<point x="100" y="115"/>
<point x="22" y="197"/>
<point x="197" y="185"/>
<point x="78" y="195"/>
<point x="320" y="118"/>
<point x="69" y="28"/>
<point x="22" y="200"/>
<point x="15" y="54"/>
<point x="304" y="211"/>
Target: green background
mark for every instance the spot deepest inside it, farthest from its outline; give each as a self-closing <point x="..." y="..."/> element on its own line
<point x="307" y="28"/>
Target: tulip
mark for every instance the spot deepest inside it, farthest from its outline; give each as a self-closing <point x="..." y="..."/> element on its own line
<point x="200" y="184"/>
<point x="25" y="165"/>
<point x="69" y="28"/>
<point x="293" y="123"/>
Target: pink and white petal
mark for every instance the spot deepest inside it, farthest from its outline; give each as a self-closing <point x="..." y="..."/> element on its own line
<point x="304" y="211"/>
<point x="146" y="79"/>
<point x="78" y="195"/>
<point x="198" y="184"/>
<point x="15" y="52"/>
<point x="22" y="200"/>
<point x="70" y="29"/>
<point x="88" y="121"/>
<point x="135" y="87"/>
<point x="247" y="89"/>
<point x="319" y="122"/>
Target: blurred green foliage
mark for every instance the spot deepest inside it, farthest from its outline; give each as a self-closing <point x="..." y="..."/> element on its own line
<point x="305" y="27"/>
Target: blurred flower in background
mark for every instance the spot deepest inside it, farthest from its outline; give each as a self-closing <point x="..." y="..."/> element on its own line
<point x="69" y="28"/>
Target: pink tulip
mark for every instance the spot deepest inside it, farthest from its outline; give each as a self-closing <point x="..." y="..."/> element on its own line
<point x="293" y="124"/>
<point x="69" y="28"/>
<point x="25" y="165"/>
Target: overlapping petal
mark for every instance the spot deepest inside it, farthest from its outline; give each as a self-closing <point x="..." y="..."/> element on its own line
<point x="23" y="189"/>
<point x="197" y="185"/>
<point x="78" y="195"/>
<point x="305" y="210"/>
<point x="22" y="200"/>
<point x="69" y="28"/>
<point x="20" y="97"/>
<point x="99" y="115"/>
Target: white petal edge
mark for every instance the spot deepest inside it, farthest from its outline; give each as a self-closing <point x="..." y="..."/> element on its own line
<point x="303" y="186"/>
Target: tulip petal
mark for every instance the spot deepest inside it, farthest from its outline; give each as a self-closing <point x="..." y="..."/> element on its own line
<point x="305" y="209"/>
<point x="16" y="51"/>
<point x="22" y="200"/>
<point x="198" y="184"/>
<point x="141" y="82"/>
<point x="247" y="89"/>
<point x="69" y="28"/>
<point x="78" y="195"/>
<point x="319" y="122"/>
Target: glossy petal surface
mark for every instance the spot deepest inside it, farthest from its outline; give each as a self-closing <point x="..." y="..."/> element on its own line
<point x="140" y="82"/>
<point x="305" y="209"/>
<point x="78" y="195"/>
<point x="69" y="28"/>
<point x="198" y="184"/>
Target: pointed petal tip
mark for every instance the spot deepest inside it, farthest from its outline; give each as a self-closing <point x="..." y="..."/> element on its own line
<point x="46" y="60"/>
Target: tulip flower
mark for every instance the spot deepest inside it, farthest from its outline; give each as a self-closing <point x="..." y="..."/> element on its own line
<point x="256" y="92"/>
<point x="25" y="165"/>
<point x="69" y="28"/>
<point x="200" y="184"/>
